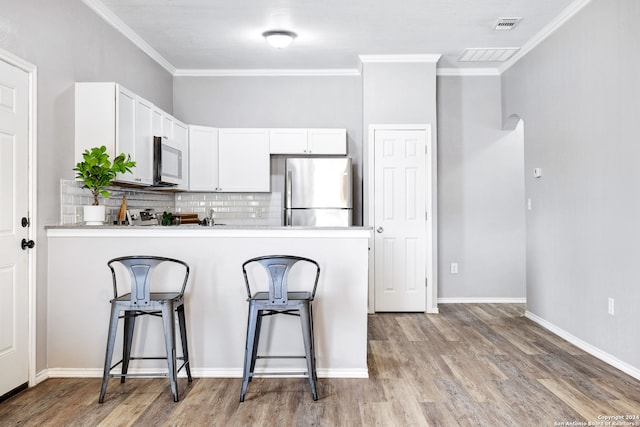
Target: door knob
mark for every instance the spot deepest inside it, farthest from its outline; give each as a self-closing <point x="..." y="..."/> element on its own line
<point x="27" y="244"/>
<point x="25" y="222"/>
<point x="380" y="229"/>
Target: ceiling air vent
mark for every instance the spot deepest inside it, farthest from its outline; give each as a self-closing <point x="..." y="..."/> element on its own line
<point x="507" y="24"/>
<point x="487" y="54"/>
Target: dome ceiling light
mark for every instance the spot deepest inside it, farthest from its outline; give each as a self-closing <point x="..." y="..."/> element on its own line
<point x="279" y="38"/>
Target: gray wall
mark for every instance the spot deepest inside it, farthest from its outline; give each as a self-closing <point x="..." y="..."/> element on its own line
<point x="481" y="193"/>
<point x="68" y="43"/>
<point x="270" y="102"/>
<point x="578" y="93"/>
<point x="398" y="93"/>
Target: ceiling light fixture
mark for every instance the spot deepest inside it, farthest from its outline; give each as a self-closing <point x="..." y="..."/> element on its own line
<point x="279" y="38"/>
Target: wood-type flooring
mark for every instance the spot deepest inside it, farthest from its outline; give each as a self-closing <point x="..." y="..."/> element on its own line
<point x="471" y="365"/>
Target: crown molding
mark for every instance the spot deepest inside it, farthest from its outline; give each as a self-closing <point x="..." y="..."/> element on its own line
<point x="99" y="8"/>
<point x="549" y="29"/>
<point x="464" y="72"/>
<point x="400" y="58"/>
<point x="268" y="72"/>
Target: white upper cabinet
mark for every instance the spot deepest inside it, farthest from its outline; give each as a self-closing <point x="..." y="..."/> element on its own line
<point x="288" y="141"/>
<point x="106" y="114"/>
<point x="327" y="141"/>
<point x="125" y="126"/>
<point x="110" y="115"/>
<point x="308" y="141"/>
<point x="143" y="148"/>
<point x="177" y="132"/>
<point x="158" y="121"/>
<point x="243" y="160"/>
<point x="181" y="138"/>
<point x="229" y="160"/>
<point x="203" y="159"/>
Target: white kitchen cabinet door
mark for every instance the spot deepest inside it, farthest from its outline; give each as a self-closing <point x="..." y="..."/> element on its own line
<point x="168" y="123"/>
<point x="288" y="141"/>
<point x="308" y="141"/>
<point x="181" y="138"/>
<point x="327" y="141"/>
<point x="243" y="160"/>
<point x="157" y="121"/>
<point x="203" y="159"/>
<point x="163" y="124"/>
<point x="125" y="129"/>
<point x="143" y="172"/>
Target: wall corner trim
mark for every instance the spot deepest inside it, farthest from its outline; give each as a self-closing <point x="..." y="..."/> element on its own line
<point x="585" y="346"/>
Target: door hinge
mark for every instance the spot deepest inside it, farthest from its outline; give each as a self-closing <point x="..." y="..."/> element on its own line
<point x="426" y="282"/>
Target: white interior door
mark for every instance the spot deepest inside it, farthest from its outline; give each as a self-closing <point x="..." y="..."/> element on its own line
<point x="400" y="190"/>
<point x="14" y="199"/>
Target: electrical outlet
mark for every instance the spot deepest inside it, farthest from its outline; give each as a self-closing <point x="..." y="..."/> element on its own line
<point x="611" y="307"/>
<point x="454" y="268"/>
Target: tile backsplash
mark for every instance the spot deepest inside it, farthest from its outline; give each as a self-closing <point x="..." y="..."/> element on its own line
<point x="228" y="208"/>
<point x="233" y="208"/>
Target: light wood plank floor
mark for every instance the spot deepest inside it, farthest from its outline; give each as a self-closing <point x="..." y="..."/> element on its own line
<point x="472" y="365"/>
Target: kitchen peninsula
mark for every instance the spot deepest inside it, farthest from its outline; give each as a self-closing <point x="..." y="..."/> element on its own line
<point x="80" y="287"/>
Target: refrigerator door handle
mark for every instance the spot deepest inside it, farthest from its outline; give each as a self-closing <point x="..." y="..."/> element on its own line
<point x="287" y="203"/>
<point x="287" y="217"/>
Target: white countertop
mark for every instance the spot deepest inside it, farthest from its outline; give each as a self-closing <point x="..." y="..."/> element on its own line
<point x="194" y="230"/>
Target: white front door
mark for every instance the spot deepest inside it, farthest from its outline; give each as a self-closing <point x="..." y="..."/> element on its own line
<point x="14" y="200"/>
<point x="400" y="190"/>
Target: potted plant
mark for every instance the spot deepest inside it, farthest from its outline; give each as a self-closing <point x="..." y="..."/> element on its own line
<point x="98" y="172"/>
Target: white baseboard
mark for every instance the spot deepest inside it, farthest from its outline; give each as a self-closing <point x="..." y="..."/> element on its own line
<point x="585" y="346"/>
<point x="201" y="373"/>
<point x="41" y="376"/>
<point x="481" y="300"/>
<point x="74" y="373"/>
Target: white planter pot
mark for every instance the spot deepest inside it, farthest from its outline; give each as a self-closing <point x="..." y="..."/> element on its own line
<point x="93" y="215"/>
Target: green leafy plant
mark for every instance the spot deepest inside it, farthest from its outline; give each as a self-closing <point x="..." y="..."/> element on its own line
<point x="98" y="172"/>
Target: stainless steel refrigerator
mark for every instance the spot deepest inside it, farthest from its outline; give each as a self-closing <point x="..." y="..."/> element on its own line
<point x="318" y="192"/>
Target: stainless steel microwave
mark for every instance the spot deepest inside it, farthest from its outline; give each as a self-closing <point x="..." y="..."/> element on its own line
<point x="167" y="162"/>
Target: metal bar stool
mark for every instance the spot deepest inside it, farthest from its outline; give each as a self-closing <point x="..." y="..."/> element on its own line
<point x="141" y="301"/>
<point x="279" y="300"/>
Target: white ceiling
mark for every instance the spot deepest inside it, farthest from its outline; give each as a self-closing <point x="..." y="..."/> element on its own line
<point x="199" y="36"/>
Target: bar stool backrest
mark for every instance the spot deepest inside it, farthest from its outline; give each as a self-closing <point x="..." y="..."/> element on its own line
<point x="140" y="268"/>
<point x="278" y="268"/>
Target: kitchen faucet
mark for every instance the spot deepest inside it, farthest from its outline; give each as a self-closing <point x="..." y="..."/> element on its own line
<point x="209" y="220"/>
